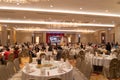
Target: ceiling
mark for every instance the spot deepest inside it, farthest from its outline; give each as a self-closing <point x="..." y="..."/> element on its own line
<point x="63" y="9"/>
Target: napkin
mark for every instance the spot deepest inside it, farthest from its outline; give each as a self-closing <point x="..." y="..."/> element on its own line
<point x="68" y="65"/>
<point x="60" y="69"/>
<point x="27" y="68"/>
<point x="43" y="71"/>
<point x="62" y="60"/>
<point x="96" y="53"/>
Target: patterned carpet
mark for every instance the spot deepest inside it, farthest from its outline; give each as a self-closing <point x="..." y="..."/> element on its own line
<point x="97" y="77"/>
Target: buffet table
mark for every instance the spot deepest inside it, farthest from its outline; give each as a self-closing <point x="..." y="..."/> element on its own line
<point x="45" y="71"/>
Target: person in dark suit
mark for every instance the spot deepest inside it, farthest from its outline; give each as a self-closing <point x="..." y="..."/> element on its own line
<point x="108" y="47"/>
<point x="59" y="53"/>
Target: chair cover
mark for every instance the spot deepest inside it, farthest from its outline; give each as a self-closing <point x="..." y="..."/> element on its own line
<point x="3" y="73"/>
<point x="11" y="68"/>
<point x="17" y="64"/>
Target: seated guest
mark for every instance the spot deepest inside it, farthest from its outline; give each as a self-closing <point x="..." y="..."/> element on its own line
<point x="59" y="55"/>
<point x="59" y="47"/>
<point x="16" y="52"/>
<point x="116" y="45"/>
<point x="1" y="47"/>
<point x="6" y="54"/>
<point x="37" y="48"/>
<point x="81" y="45"/>
<point x="50" y="48"/>
<point x="31" y="53"/>
<point x="43" y="47"/>
<point x="1" y="58"/>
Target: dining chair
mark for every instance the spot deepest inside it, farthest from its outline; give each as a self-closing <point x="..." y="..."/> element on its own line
<point x="64" y="54"/>
<point x="111" y="72"/>
<point x="82" y="55"/>
<point x="82" y="65"/>
<point x="17" y="64"/>
<point x="78" y="62"/>
<point x="59" y="54"/>
<point x="78" y="75"/>
<point x="11" y="57"/>
<point x="113" y="68"/>
<point x="118" y="68"/>
<point x="118" y="56"/>
<point x="87" y="70"/>
<point x="4" y="73"/>
<point x="11" y="68"/>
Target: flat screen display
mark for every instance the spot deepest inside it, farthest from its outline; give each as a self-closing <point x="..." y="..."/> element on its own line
<point x="55" y="39"/>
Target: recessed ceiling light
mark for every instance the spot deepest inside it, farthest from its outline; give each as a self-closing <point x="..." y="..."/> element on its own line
<point x="109" y="28"/>
<point x="24" y="17"/>
<point x="73" y="19"/>
<point x="94" y="20"/>
<point x="51" y="6"/>
<point x="80" y="8"/>
<point x="49" y="18"/>
<point x="5" y="25"/>
<point x="106" y="10"/>
<point x="113" y="22"/>
<point x="18" y="3"/>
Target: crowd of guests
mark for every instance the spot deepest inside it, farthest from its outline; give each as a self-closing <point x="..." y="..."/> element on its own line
<point x="107" y="47"/>
<point x="33" y="49"/>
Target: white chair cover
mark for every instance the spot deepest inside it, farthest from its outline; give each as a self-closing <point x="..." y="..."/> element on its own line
<point x="3" y="73"/>
<point x="11" y="68"/>
<point x="17" y="64"/>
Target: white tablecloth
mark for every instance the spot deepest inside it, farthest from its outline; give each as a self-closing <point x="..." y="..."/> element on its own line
<point x="36" y="73"/>
<point x="103" y="60"/>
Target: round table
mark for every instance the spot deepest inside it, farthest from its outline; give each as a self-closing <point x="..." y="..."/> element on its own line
<point x="102" y="60"/>
<point x="35" y="73"/>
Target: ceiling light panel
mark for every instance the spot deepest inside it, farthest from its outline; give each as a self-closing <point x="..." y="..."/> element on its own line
<point x="54" y="30"/>
<point x="56" y="23"/>
<point x="60" y="11"/>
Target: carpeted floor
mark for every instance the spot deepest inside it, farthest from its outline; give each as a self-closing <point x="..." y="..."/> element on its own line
<point x="97" y="77"/>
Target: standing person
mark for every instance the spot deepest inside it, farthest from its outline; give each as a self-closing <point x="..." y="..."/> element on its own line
<point x="108" y="47"/>
<point x="81" y="45"/>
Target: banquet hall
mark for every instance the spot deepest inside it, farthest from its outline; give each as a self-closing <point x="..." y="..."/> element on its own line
<point x="59" y="40"/>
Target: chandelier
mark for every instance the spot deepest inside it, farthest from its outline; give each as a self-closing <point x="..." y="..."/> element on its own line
<point x="20" y="1"/>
